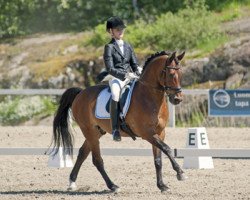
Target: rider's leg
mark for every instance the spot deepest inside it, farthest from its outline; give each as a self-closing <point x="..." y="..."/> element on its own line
<point x="116" y="86"/>
<point x="114" y="112"/>
<point x="114" y="115"/>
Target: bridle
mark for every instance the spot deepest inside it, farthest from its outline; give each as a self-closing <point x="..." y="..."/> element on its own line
<point x="165" y="88"/>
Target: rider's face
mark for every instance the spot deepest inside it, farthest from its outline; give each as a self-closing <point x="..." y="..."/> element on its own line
<point x="117" y="33"/>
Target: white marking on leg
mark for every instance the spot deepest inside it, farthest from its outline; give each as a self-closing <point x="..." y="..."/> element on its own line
<point x="72" y="186"/>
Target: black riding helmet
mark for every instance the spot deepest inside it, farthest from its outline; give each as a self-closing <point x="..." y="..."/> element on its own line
<point x="115" y="22"/>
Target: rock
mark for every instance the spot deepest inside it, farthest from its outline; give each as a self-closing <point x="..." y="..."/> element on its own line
<point x="70" y="49"/>
<point x="193" y="71"/>
<point x="17" y="60"/>
<point x="241" y="26"/>
<point x="57" y="81"/>
<point x="223" y="64"/>
<point x="245" y="86"/>
<point x="1" y="63"/>
<point x="246" y="81"/>
<point x="234" y="81"/>
<point x="243" y="56"/>
<point x="233" y="58"/>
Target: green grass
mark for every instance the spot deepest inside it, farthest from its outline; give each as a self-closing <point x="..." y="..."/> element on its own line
<point x="205" y="48"/>
<point x="208" y="85"/>
<point x="230" y="12"/>
<point x="233" y="10"/>
<point x="195" y="119"/>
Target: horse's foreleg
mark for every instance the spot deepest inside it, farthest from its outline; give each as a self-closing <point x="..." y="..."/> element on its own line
<point x="158" y="167"/>
<point x="82" y="155"/>
<point x="98" y="162"/>
<point x="156" y="141"/>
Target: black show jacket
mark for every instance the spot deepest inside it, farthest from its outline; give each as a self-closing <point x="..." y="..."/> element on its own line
<point x="118" y="64"/>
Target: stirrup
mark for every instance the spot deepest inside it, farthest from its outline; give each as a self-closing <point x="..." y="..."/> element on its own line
<point x="116" y="135"/>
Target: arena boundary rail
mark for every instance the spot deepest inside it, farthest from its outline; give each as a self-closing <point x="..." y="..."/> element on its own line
<point x="178" y="153"/>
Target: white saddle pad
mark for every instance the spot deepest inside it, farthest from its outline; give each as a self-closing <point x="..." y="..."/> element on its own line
<point x="103" y="98"/>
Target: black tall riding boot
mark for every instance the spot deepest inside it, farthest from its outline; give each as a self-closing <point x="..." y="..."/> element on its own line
<point x="114" y="115"/>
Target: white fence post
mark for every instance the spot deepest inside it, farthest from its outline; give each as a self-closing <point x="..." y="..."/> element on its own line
<point x="171" y="110"/>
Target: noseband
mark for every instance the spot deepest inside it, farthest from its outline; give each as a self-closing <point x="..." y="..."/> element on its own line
<point x="166" y="88"/>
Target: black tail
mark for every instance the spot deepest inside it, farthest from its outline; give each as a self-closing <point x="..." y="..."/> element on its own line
<point x="61" y="134"/>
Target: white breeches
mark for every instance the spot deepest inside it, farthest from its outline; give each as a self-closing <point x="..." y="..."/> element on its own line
<point x="116" y="86"/>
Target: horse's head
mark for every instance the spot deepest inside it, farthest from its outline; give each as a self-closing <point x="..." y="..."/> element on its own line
<point x="170" y="78"/>
<point x="162" y="72"/>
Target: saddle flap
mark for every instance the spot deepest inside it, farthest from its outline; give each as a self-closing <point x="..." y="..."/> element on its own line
<point x="122" y="101"/>
<point x="104" y="98"/>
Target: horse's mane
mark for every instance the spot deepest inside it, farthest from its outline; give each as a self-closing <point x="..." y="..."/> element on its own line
<point x="152" y="56"/>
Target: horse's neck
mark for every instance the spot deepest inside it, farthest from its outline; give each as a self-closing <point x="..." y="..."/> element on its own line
<point x="151" y="73"/>
<point x="149" y="77"/>
<point x="151" y="95"/>
<point x="149" y="84"/>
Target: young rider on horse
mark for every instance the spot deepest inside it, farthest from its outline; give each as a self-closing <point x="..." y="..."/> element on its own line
<point x="121" y="64"/>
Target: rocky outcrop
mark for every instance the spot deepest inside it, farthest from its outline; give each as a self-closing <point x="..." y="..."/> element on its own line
<point x="193" y="71"/>
<point x="230" y="63"/>
<point x="20" y="63"/>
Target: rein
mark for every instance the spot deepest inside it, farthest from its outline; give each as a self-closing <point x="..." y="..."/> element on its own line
<point x="161" y="89"/>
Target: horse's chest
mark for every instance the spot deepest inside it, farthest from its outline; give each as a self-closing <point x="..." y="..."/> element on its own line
<point x="162" y="120"/>
<point x="160" y="116"/>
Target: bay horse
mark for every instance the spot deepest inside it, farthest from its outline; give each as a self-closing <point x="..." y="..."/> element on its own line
<point x="160" y="76"/>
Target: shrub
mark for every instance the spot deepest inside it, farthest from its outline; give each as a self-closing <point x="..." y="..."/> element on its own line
<point x="15" y="110"/>
<point x="100" y="36"/>
<point x="186" y="29"/>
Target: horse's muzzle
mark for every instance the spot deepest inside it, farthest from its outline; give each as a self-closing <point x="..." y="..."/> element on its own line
<point x="175" y="99"/>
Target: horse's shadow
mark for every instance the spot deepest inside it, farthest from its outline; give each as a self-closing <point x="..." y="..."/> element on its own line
<point x="63" y="192"/>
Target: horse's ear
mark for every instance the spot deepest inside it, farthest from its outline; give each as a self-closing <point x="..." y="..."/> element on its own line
<point x="171" y="58"/>
<point x="180" y="57"/>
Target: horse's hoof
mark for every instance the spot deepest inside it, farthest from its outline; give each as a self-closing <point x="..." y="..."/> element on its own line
<point x="164" y="189"/>
<point x="181" y="177"/>
<point x="115" y="189"/>
<point x="72" y="186"/>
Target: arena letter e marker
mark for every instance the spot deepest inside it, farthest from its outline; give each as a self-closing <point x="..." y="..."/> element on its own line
<point x="197" y="139"/>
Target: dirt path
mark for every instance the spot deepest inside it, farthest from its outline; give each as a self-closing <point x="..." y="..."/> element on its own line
<point x="28" y="177"/>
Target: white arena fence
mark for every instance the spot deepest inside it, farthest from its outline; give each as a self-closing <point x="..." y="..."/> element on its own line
<point x="178" y="153"/>
<point x="31" y="91"/>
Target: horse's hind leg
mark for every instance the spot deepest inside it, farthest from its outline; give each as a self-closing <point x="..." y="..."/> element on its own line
<point x="98" y="162"/>
<point x="156" y="141"/>
<point x="82" y="155"/>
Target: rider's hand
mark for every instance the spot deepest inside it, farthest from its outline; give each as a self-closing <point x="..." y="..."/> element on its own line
<point x="131" y="75"/>
<point x="139" y="70"/>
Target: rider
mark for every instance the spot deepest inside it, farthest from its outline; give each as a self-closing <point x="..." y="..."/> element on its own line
<point x="121" y="64"/>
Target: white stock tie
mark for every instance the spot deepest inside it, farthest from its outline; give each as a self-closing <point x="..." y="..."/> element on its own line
<point x="120" y="44"/>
